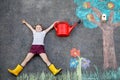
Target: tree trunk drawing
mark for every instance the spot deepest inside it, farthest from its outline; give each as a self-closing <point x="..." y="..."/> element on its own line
<point x="108" y="48"/>
<point x="108" y="39"/>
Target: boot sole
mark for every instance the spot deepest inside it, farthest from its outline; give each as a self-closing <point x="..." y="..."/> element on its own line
<point x="58" y="72"/>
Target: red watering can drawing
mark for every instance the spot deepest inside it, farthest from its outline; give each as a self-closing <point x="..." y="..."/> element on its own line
<point x="63" y="28"/>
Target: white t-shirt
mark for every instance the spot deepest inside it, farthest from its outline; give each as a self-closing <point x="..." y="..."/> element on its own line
<point x="38" y="38"/>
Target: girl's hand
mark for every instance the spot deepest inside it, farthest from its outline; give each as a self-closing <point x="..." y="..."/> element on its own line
<point x="56" y="22"/>
<point x="23" y="21"/>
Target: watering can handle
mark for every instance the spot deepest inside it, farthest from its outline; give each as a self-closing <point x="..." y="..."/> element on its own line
<point x="55" y="26"/>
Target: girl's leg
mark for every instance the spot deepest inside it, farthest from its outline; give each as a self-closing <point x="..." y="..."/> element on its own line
<point x="51" y="67"/>
<point x="19" y="68"/>
<point x="45" y="58"/>
<point x="27" y="59"/>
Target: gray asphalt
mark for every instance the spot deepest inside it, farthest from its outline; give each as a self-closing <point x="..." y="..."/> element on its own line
<point x="16" y="39"/>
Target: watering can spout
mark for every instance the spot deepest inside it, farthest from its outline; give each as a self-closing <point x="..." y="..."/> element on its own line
<point x="74" y="25"/>
<point x="71" y="28"/>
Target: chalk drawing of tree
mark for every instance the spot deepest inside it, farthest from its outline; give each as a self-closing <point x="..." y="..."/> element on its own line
<point x="90" y="11"/>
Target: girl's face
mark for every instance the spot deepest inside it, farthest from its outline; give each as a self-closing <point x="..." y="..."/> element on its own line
<point x="38" y="28"/>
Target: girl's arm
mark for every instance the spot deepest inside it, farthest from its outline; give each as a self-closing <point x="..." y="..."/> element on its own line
<point x="49" y="28"/>
<point x="28" y="25"/>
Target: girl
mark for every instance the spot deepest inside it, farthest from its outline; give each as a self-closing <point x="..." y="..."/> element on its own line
<point x="36" y="48"/>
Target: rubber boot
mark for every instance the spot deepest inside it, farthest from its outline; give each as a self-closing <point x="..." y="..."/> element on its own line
<point x="54" y="70"/>
<point x="16" y="71"/>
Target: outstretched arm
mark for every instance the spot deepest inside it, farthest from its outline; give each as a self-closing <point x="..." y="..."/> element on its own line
<point x="28" y="25"/>
<point x="49" y="28"/>
<point x="111" y="17"/>
<point x="98" y="13"/>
